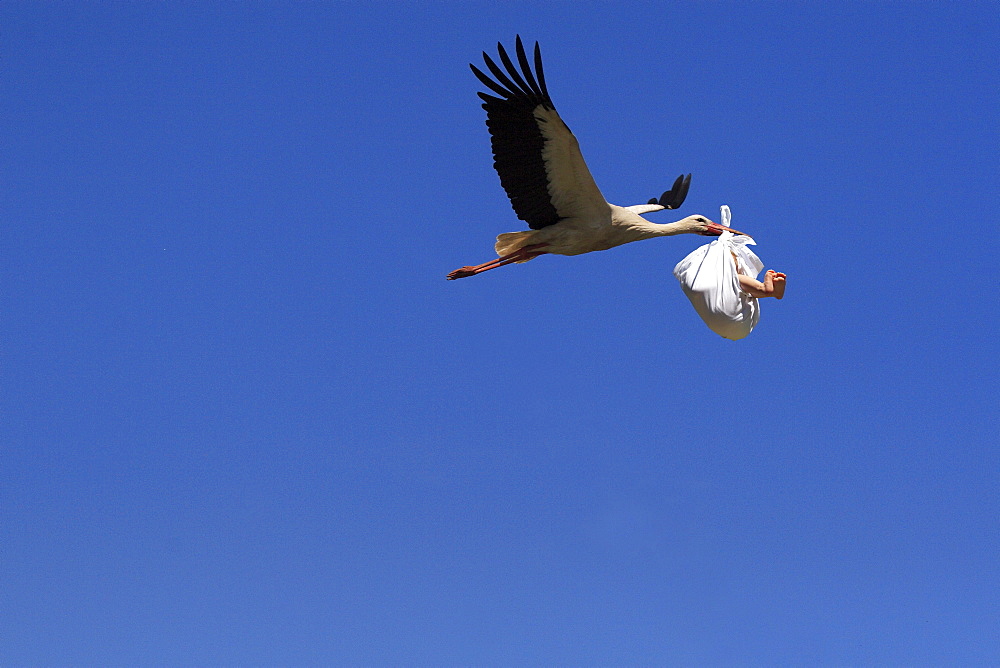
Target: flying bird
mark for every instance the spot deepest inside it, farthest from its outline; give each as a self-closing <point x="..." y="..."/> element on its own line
<point x="548" y="183"/>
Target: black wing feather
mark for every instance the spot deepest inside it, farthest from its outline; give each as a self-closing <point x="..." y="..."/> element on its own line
<point x="540" y="73"/>
<point x="499" y="90"/>
<point x="522" y="87"/>
<point x="512" y="89"/>
<point x="522" y="60"/>
<point x="673" y="198"/>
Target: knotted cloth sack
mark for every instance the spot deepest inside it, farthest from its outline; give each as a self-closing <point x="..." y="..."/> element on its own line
<point x="708" y="278"/>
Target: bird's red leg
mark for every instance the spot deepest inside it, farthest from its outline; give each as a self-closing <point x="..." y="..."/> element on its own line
<point x="521" y="254"/>
<point x="514" y="257"/>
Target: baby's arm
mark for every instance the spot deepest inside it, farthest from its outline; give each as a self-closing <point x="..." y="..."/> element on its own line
<point x="773" y="285"/>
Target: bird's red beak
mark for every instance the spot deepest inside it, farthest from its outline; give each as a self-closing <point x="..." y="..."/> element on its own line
<point x="715" y="230"/>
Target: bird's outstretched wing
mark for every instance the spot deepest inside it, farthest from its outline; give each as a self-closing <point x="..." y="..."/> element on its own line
<point x="535" y="154"/>
<point x="671" y="199"/>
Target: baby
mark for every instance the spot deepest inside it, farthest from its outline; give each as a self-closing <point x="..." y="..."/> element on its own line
<point x="720" y="280"/>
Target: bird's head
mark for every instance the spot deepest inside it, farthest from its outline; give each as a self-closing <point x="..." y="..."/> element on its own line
<point x="705" y="227"/>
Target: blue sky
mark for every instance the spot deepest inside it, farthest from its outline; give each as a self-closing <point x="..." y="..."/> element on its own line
<point x="246" y="421"/>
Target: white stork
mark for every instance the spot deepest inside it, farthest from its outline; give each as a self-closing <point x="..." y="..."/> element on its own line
<point x="548" y="183"/>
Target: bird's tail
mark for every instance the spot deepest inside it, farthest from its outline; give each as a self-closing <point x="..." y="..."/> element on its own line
<point x="509" y="242"/>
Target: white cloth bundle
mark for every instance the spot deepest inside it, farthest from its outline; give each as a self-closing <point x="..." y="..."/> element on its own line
<point x="708" y="278"/>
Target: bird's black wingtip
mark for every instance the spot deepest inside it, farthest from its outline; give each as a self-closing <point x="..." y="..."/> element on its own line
<point x="673" y="198"/>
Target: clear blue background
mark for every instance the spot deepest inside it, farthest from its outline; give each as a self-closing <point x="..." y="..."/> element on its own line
<point x="245" y="420"/>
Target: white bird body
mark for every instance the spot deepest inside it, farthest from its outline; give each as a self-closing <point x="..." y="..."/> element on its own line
<point x="547" y="180"/>
<point x="578" y="235"/>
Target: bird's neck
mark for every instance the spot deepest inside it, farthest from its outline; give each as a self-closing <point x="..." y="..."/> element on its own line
<point x="644" y="229"/>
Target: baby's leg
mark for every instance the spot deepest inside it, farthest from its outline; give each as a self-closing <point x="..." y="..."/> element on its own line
<point x="752" y="286"/>
<point x="773" y="285"/>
